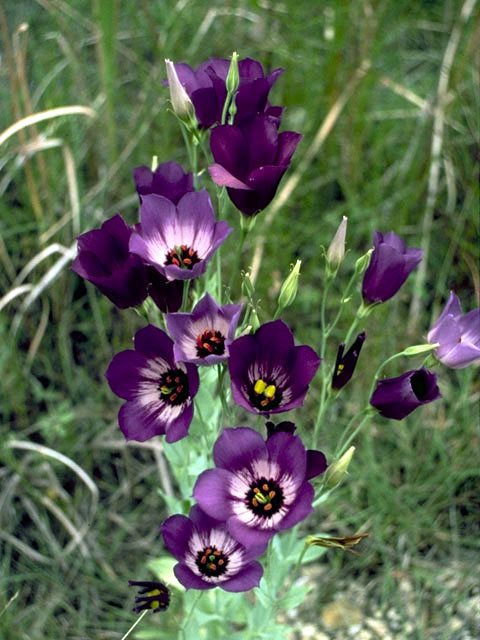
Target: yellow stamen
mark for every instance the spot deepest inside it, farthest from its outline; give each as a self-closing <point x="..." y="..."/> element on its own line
<point x="260" y="386"/>
<point x="154" y="604"/>
<point x="155" y="592"/>
<point x="270" y="391"/>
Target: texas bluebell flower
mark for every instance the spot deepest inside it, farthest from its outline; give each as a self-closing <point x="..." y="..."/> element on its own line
<point x="207" y="554"/>
<point x="390" y="265"/>
<point x="457" y="334"/>
<point x="316" y="460"/>
<point x="207" y="90"/>
<point x="153" y="596"/>
<point x="250" y="160"/>
<point x="203" y="336"/>
<point x="105" y="261"/>
<point x="178" y="240"/>
<point x="269" y="374"/>
<point x="258" y="487"/>
<point x="346" y="363"/>
<point x="396" y="398"/>
<point x="168" y="180"/>
<point x="158" y="390"/>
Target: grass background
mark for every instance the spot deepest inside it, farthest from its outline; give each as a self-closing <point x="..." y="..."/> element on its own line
<point x="401" y="154"/>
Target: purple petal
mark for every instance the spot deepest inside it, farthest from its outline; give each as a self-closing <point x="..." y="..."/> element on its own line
<point x="124" y="373"/>
<point x="262" y="137"/>
<point x="177" y="531"/>
<point x="237" y="448"/>
<point x="202" y="521"/>
<point x="139" y="422"/>
<point x="246" y="579"/>
<point x="288" y="451"/>
<point x="211" y="491"/>
<point x="470" y="327"/>
<point x="224" y="178"/>
<point x="447" y="333"/>
<point x="189" y="580"/>
<point x="287" y="143"/>
<point x="316" y="464"/>
<point x="230" y="149"/>
<point x="154" y="342"/>
<point x="206" y="106"/>
<point x="178" y="429"/>
<point x="301" y="508"/>
<point x="248" y="536"/>
<point x="460" y="356"/>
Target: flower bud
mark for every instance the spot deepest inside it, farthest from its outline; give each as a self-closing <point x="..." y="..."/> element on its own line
<point x="338" y="469"/>
<point x="233" y="77"/>
<point x="288" y="292"/>
<point x="336" y="250"/>
<point x="362" y="263"/>
<point x="181" y="103"/>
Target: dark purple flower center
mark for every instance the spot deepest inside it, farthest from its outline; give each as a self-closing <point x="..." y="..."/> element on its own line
<point x="212" y="562"/>
<point x="264" y="498"/>
<point x="210" y="342"/>
<point x="264" y="395"/>
<point x="419" y="382"/>
<point x="182" y="256"/>
<point x="174" y="387"/>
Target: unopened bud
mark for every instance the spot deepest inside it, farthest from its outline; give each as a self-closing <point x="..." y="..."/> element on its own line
<point x="362" y="263"/>
<point x="254" y="321"/>
<point x="181" y="103"/>
<point x="288" y="292"/>
<point x="248" y="289"/>
<point x="336" y="250"/>
<point x="338" y="469"/>
<point x="233" y="77"/>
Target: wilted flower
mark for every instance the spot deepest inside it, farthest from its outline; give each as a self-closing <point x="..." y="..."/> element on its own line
<point x="105" y="261"/>
<point x="396" y="398"/>
<point x="251" y="158"/>
<point x="208" y="556"/>
<point x="458" y="335"/>
<point x="158" y="390"/>
<point x="168" y="180"/>
<point x="181" y="103"/>
<point x="203" y="336"/>
<point x="269" y="374"/>
<point x="154" y="596"/>
<point x="178" y="240"/>
<point x="258" y="487"/>
<point x="206" y="87"/>
<point x="346" y="363"/>
<point x="390" y="265"/>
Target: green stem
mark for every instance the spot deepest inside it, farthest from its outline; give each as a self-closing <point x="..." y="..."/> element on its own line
<point x="342" y="304"/>
<point x="139" y="619"/>
<point x="238" y="258"/>
<point x="342" y="446"/>
<point x="297" y="566"/>
<point x="325" y="388"/>
<point x="192" y="609"/>
<point x="186" y="289"/>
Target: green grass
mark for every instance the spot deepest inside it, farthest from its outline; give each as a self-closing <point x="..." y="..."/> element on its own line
<point x="413" y="485"/>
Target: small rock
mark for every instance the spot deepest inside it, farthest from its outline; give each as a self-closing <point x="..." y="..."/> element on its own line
<point x="341" y="613"/>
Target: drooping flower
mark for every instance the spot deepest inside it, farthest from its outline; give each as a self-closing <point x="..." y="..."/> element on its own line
<point x="153" y="596"/>
<point x="390" y="265"/>
<point x="258" y="487"/>
<point x="168" y="180"/>
<point x="269" y="374"/>
<point x="158" y="390"/>
<point x="250" y="160"/>
<point x="346" y="363"/>
<point x="178" y="240"/>
<point x="458" y="335"/>
<point x="207" y="90"/>
<point x="203" y="336"/>
<point x="105" y="261"/>
<point x="396" y="398"/>
<point x="207" y="554"/>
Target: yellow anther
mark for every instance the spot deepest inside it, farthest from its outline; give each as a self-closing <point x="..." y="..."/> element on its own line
<point x="341" y="367"/>
<point x="154" y="604"/>
<point x="260" y="386"/>
<point x="155" y="592"/>
<point x="270" y="391"/>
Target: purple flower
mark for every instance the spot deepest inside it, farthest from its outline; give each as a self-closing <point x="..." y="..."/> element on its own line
<point x="208" y="556"/>
<point x="251" y="159"/>
<point x="206" y="89"/>
<point x="167" y="294"/>
<point x="258" y="487"/>
<point x="178" y="240"/>
<point x="389" y="267"/>
<point x="346" y="363"/>
<point x="458" y="335"/>
<point x="396" y="398"/>
<point x="203" y="336"/>
<point x="104" y="260"/>
<point x="269" y="374"/>
<point x="168" y="180"/>
<point x="154" y="596"/>
<point x="158" y="391"/>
